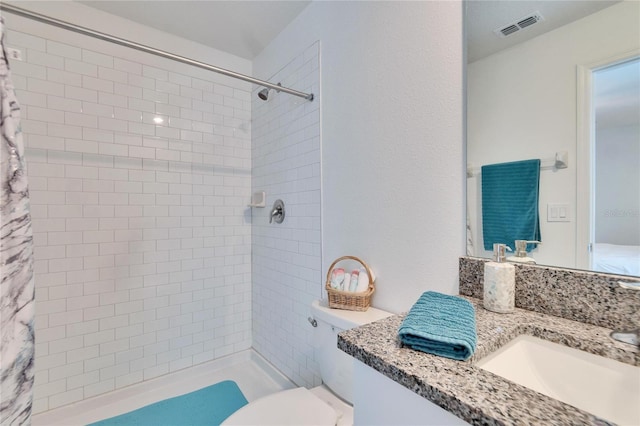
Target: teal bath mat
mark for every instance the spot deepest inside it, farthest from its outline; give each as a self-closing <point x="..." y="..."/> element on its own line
<point x="207" y="406"/>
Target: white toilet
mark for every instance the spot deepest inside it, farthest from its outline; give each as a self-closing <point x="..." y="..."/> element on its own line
<point x="318" y="406"/>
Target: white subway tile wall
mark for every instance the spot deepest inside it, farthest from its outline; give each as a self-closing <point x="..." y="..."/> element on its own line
<point x="287" y="257"/>
<point x="141" y="229"/>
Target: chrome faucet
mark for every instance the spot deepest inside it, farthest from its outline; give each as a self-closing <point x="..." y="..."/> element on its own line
<point x="631" y="336"/>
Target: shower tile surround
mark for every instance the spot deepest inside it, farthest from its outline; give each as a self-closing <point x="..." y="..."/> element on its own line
<point x="141" y="230"/>
<point x="480" y="397"/>
<point x="286" y="258"/>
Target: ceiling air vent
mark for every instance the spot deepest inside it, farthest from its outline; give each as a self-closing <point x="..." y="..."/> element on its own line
<point x="509" y="30"/>
<point x="520" y="24"/>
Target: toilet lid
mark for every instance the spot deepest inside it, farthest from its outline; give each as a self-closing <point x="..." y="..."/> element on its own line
<point x="291" y="407"/>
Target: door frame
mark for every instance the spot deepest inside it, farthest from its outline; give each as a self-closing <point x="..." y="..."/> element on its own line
<point x="585" y="158"/>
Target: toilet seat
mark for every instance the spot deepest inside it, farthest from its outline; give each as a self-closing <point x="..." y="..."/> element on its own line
<point x="296" y="406"/>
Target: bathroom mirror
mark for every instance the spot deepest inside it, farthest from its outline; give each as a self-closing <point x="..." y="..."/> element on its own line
<point x="535" y="71"/>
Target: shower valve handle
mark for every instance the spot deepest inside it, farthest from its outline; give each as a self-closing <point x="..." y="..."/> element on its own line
<point x="277" y="212"/>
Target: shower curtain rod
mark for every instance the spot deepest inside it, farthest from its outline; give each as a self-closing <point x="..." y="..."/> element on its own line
<point x="141" y="47"/>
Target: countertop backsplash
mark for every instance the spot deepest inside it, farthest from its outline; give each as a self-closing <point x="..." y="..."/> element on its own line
<point x="589" y="297"/>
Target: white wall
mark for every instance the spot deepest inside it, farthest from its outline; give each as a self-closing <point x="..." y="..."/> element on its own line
<point x="142" y="235"/>
<point x="521" y="104"/>
<point x="286" y="257"/>
<point x="392" y="138"/>
<point x="617" y="210"/>
<point x="392" y="180"/>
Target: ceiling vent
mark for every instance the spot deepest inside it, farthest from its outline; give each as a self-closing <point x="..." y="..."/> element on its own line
<point x="520" y="24"/>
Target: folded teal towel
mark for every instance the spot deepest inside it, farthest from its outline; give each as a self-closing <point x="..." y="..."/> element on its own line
<point x="510" y="203"/>
<point x="442" y="325"/>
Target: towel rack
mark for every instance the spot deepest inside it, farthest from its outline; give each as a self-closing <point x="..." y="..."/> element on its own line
<point x="559" y="161"/>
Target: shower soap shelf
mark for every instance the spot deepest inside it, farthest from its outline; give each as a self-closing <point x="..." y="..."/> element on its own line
<point x="258" y="199"/>
<point x="348" y="300"/>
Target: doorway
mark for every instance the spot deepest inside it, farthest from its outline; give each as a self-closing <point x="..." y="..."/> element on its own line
<point x="609" y="182"/>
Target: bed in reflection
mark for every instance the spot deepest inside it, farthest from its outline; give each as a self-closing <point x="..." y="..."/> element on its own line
<point x="616" y="259"/>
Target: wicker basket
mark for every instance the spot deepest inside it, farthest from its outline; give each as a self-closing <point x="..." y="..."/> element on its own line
<point x="346" y="299"/>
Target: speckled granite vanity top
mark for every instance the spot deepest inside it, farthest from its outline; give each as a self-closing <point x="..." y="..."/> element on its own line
<point x="475" y="395"/>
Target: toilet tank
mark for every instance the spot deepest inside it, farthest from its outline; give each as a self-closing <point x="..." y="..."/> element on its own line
<point x="336" y="367"/>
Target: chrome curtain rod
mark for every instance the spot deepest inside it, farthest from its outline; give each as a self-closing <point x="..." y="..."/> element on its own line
<point x="141" y="47"/>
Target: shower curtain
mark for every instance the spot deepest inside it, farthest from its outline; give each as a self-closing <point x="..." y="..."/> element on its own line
<point x="16" y="261"/>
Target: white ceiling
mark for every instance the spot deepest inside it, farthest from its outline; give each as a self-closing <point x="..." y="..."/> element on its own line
<point x="483" y="17"/>
<point x="245" y="28"/>
<point x="242" y="28"/>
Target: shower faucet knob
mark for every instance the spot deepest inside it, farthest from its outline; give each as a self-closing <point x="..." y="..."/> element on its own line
<point x="277" y="212"/>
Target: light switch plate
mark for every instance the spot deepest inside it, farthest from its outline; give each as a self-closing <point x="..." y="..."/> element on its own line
<point x="558" y="213"/>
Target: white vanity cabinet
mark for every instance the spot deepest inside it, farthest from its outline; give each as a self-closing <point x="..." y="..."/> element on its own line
<point x="378" y="400"/>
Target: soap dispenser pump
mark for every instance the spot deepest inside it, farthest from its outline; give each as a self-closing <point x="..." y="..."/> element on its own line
<point x="521" y="252"/>
<point x="499" y="282"/>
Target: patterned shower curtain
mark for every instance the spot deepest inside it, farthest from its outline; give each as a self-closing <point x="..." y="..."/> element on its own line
<point x="16" y="261"/>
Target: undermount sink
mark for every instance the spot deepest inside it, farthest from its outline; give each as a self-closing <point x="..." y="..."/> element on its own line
<point x="601" y="386"/>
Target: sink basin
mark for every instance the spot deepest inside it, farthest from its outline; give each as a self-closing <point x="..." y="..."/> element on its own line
<point x="601" y="386"/>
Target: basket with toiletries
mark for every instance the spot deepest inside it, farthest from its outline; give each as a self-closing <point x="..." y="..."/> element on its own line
<point x="350" y="290"/>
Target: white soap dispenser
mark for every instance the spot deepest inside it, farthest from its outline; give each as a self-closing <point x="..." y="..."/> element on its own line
<point x="499" y="282"/>
<point x="521" y="252"/>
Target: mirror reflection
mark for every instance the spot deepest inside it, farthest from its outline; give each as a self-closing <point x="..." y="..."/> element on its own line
<point x="559" y="82"/>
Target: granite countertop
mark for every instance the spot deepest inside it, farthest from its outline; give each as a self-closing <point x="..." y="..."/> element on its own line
<point x="473" y="394"/>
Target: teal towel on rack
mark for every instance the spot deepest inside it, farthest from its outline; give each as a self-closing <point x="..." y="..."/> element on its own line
<point x="442" y="325"/>
<point x="510" y="194"/>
